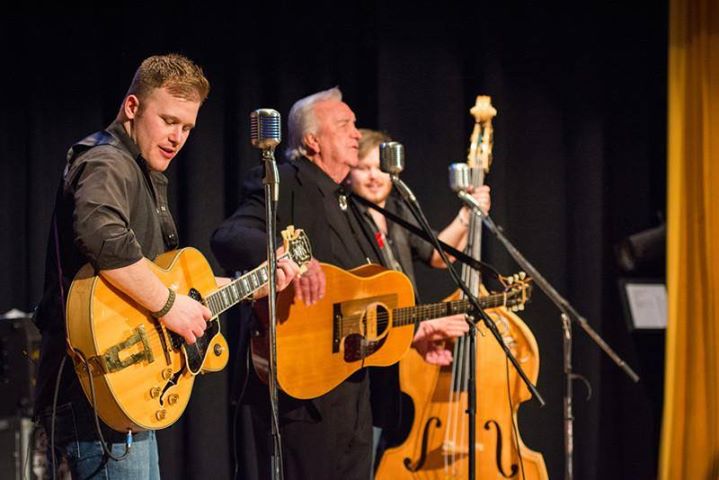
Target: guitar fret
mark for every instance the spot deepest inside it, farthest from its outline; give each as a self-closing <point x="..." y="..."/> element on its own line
<point x="212" y="304"/>
<point x="262" y="274"/>
<point x="218" y="301"/>
<point x="245" y="285"/>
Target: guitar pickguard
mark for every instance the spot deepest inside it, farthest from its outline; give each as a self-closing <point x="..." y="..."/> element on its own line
<point x="358" y="348"/>
<point x="195" y="354"/>
<point x="362" y="326"/>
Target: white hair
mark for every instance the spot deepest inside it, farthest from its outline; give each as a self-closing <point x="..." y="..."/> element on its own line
<point x="301" y="120"/>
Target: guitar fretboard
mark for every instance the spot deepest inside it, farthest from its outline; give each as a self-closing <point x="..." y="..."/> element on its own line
<point x="409" y="315"/>
<point x="237" y="290"/>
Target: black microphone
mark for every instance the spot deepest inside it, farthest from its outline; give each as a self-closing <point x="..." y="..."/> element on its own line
<point x="265" y="130"/>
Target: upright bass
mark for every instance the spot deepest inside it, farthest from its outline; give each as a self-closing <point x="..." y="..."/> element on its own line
<point x="437" y="445"/>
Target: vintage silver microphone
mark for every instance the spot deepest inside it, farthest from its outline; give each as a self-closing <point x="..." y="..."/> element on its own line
<point x="266" y="134"/>
<point x="459" y="182"/>
<point x="265" y="129"/>
<point x="459" y="177"/>
<point x="391" y="160"/>
<point x="391" y="157"/>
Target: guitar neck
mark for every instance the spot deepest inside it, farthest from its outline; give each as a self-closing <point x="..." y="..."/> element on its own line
<point x="237" y="290"/>
<point x="409" y="315"/>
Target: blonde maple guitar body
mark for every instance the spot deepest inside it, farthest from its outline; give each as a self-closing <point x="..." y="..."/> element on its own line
<point x="142" y="373"/>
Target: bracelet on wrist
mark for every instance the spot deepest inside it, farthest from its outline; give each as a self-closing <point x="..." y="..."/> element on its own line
<point x="168" y="305"/>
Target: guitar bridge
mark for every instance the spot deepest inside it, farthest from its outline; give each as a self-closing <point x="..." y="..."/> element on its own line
<point x="110" y="361"/>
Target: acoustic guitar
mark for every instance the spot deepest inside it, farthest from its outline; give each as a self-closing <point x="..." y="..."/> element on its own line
<point x="141" y="373"/>
<point x="366" y="318"/>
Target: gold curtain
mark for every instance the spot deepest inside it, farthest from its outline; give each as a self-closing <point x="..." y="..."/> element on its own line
<point x="690" y="429"/>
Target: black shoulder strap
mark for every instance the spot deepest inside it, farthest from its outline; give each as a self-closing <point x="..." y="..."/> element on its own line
<point x="483" y="267"/>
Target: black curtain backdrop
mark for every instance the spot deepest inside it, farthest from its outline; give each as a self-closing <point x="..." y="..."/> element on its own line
<point x="579" y="160"/>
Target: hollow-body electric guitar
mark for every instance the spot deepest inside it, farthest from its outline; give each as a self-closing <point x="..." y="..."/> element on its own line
<point x="141" y="374"/>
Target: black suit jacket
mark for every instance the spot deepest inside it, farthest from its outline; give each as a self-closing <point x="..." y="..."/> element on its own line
<point x="310" y="200"/>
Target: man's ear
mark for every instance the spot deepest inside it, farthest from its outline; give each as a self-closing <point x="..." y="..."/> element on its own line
<point x="311" y="143"/>
<point x="131" y="106"/>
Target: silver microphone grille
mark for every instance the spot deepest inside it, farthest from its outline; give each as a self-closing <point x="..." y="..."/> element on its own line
<point x="391" y="157"/>
<point x="459" y="177"/>
<point x="265" y="129"/>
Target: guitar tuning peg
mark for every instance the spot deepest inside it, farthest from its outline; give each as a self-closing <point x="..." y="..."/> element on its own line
<point x="510" y="280"/>
<point x="513" y="308"/>
<point x="522" y="275"/>
<point x="520" y="306"/>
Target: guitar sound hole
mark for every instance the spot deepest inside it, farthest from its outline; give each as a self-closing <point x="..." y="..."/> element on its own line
<point x="375" y="322"/>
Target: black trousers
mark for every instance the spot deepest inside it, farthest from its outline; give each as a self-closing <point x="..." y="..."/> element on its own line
<point x="325" y="439"/>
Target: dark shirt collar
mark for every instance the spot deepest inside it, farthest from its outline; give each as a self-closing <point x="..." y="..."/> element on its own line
<point x="117" y="130"/>
<point x="324" y="182"/>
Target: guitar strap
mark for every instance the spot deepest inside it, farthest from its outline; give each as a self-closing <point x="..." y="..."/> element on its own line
<point x="357" y="215"/>
<point x="483" y="267"/>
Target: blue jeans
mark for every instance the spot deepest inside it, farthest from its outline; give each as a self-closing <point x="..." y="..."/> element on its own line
<point x="376" y="436"/>
<point x="87" y="459"/>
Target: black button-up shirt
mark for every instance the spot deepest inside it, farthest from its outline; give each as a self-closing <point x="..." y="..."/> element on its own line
<point x="111" y="210"/>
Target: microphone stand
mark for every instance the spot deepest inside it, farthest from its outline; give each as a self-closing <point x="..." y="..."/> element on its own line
<point x="414" y="207"/>
<point x="567" y="312"/>
<point x="271" y="182"/>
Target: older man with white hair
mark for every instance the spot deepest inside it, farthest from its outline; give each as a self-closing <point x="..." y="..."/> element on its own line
<point x="328" y="437"/>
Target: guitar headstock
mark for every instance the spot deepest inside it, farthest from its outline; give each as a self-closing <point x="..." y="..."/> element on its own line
<point x="297" y="245"/>
<point x="517" y="290"/>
